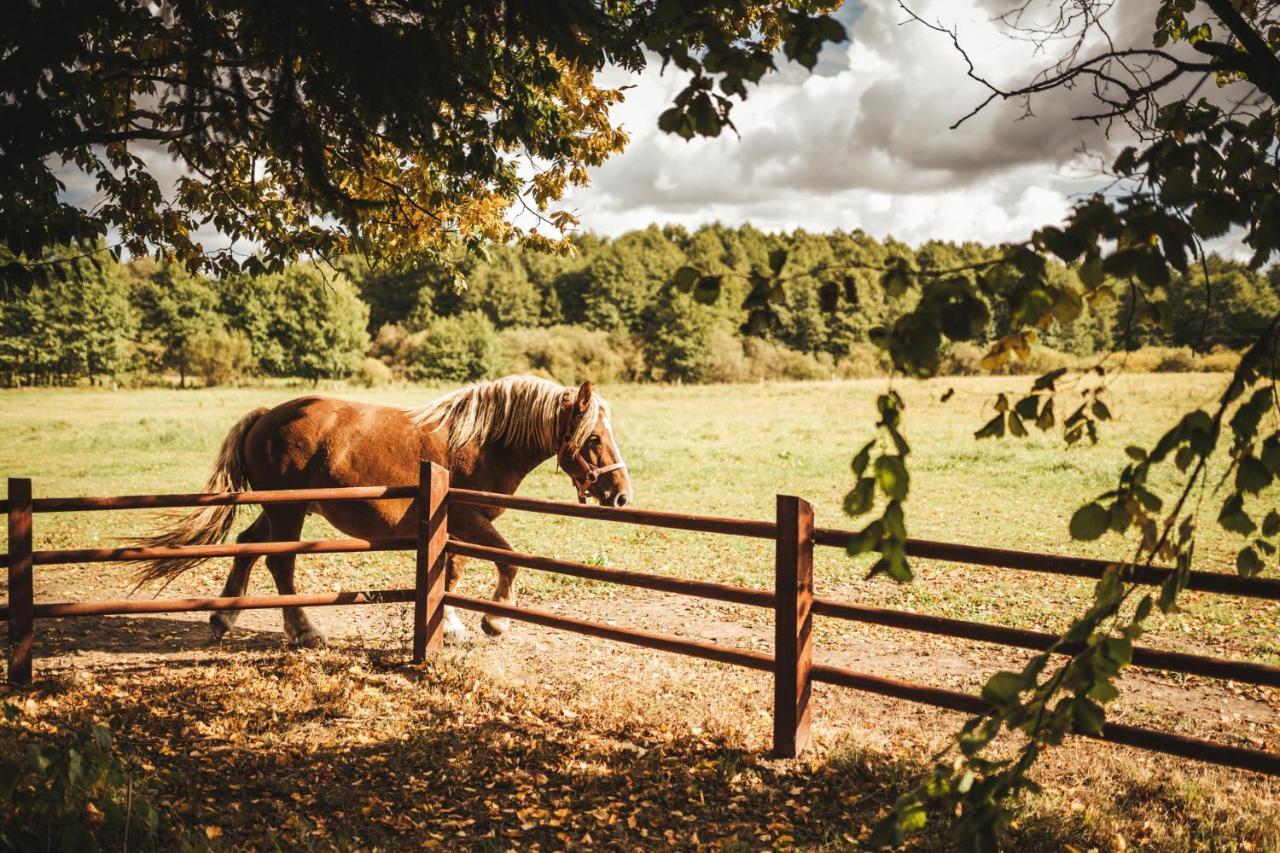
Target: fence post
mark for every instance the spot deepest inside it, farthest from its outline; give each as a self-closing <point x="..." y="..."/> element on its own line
<point x="793" y="626"/>
<point x="21" y="595"/>
<point x="433" y="533"/>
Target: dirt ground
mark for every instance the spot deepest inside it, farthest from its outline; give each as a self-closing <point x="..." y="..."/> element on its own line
<point x="566" y="692"/>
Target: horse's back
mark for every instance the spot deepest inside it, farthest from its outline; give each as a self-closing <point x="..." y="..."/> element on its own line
<point x="324" y="442"/>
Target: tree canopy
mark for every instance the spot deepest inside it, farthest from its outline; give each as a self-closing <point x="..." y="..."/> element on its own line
<point x="379" y="127"/>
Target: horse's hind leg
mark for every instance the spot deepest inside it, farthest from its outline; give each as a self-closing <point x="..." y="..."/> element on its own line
<point x="286" y="526"/>
<point x="238" y="579"/>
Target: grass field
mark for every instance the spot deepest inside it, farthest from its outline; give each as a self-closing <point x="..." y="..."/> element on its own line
<point x="721" y="450"/>
<point x="727" y="450"/>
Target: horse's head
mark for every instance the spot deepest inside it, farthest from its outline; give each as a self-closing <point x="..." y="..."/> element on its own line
<point x="588" y="451"/>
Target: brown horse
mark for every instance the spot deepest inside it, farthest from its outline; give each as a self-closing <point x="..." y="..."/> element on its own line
<point x="489" y="435"/>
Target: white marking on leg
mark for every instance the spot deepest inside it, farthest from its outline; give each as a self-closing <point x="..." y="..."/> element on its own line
<point x="454" y="630"/>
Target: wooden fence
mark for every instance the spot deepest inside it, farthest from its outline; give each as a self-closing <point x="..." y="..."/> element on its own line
<point x="792" y="599"/>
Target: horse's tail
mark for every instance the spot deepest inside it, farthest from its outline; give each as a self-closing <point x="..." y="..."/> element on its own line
<point x="206" y="525"/>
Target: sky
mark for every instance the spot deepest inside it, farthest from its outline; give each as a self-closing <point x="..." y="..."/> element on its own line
<point x="865" y="141"/>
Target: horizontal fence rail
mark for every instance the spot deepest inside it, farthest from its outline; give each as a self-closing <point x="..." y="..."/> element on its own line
<point x="1172" y="744"/>
<point x="1245" y="672"/>
<point x="127" y="606"/>
<point x="793" y="667"/>
<point x="230" y="549"/>
<point x="1002" y="558"/>
<point x="276" y="496"/>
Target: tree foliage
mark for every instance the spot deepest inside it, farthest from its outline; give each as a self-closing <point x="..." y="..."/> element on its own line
<point x="353" y="127"/>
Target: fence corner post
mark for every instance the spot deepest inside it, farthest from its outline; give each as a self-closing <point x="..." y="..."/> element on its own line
<point x="793" y="626"/>
<point x="21" y="592"/>
<point x="433" y="534"/>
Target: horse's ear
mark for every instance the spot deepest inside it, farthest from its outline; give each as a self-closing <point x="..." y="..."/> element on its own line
<point x="584" y="397"/>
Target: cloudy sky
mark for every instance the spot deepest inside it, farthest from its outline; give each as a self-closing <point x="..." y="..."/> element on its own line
<point x="864" y="143"/>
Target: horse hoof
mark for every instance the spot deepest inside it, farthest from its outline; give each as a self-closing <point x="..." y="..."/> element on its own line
<point x="308" y="639"/>
<point x="455" y="634"/>
<point x="496" y="626"/>
<point x="219" y="625"/>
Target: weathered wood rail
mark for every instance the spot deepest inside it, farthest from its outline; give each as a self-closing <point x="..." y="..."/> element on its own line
<point x="792" y="599"/>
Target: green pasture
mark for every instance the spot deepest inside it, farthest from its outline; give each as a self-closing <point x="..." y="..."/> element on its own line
<point x="722" y="450"/>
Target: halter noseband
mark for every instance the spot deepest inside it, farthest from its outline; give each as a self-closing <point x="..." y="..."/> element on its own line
<point x="565" y="450"/>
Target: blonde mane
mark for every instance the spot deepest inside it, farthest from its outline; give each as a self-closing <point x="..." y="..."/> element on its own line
<point x="516" y="411"/>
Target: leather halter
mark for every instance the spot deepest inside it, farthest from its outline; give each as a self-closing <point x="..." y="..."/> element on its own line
<point x="565" y="451"/>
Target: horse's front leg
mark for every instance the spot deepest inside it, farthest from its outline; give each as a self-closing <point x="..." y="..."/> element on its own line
<point x="454" y="630"/>
<point x="484" y="533"/>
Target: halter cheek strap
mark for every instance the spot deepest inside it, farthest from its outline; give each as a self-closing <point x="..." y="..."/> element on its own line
<point x="565" y="450"/>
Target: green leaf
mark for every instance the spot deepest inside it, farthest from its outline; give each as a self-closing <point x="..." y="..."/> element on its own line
<point x="1271" y="453"/>
<point x="1271" y="524"/>
<point x="1045" y="422"/>
<point x="894" y="524"/>
<point x="861" y="458"/>
<point x="777" y="260"/>
<point x="1234" y="518"/>
<point x="895" y="280"/>
<point x="707" y="290"/>
<point x="685" y="278"/>
<point x="860" y="498"/>
<point x="1252" y="475"/>
<point x="1088" y="716"/>
<point x="867" y="539"/>
<point x="1089" y="522"/>
<point x="1248" y="563"/>
<point x="993" y="428"/>
<point x="1003" y="687"/>
<point x="892" y="476"/>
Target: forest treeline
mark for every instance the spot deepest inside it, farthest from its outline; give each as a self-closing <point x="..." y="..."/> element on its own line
<point x="610" y="312"/>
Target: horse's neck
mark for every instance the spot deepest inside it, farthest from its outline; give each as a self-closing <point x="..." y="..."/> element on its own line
<point x="503" y="469"/>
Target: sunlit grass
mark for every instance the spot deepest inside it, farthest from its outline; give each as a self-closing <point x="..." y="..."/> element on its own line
<point x="720" y="450"/>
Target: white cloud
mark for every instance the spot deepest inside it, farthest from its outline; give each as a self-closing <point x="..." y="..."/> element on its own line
<point x="865" y="145"/>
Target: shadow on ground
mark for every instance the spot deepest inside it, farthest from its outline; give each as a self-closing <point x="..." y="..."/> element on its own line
<point x="149" y="634"/>
<point x="339" y="749"/>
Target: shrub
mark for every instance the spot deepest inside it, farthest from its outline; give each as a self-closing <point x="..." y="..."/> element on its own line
<point x="464" y="348"/>
<point x="71" y="796"/>
<point x="772" y="360"/>
<point x="1041" y="360"/>
<point x="965" y="359"/>
<point x="1180" y="360"/>
<point x="726" y="362"/>
<point x="219" y="357"/>
<point x="862" y="361"/>
<point x="372" y="373"/>
<point x="570" y="354"/>
<point x="1220" y="360"/>
<point x="388" y="342"/>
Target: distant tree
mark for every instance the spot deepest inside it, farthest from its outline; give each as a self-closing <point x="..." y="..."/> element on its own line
<point x="499" y="286"/>
<point x="219" y="357"/>
<point x="72" y="325"/>
<point x="464" y="348"/>
<point x="173" y="305"/>
<point x="624" y="277"/>
<point x="301" y="322"/>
